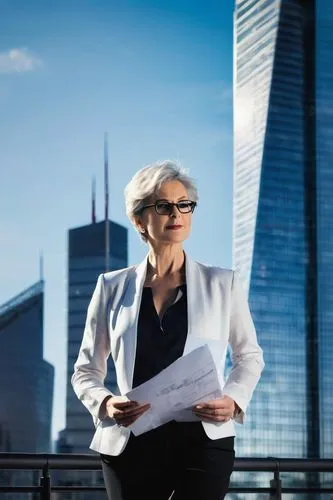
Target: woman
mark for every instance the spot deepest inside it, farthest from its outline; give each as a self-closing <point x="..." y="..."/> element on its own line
<point x="146" y="317"/>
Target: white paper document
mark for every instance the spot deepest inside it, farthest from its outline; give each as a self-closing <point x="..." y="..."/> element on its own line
<point x="190" y="380"/>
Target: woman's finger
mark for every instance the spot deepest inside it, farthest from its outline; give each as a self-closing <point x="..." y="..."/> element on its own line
<point x="129" y="413"/>
<point x="125" y="404"/>
<point x="133" y="412"/>
<point x="216" y="412"/>
<point x="209" y="417"/>
<point x="125" y="420"/>
<point x="138" y="407"/>
<point x="215" y="419"/>
<point x="214" y="416"/>
<point x="211" y="407"/>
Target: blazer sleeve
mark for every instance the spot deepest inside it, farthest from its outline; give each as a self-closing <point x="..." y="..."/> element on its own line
<point x="247" y="356"/>
<point x="91" y="366"/>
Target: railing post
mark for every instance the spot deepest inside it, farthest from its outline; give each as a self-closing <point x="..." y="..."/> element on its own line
<point x="276" y="484"/>
<point x="45" y="483"/>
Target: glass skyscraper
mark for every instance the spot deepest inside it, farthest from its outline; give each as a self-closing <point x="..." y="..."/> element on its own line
<point x="26" y="382"/>
<point x="87" y="250"/>
<point x="86" y="260"/>
<point x="283" y="218"/>
<point x="26" y="379"/>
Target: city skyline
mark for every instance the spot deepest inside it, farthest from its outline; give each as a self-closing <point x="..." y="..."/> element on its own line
<point x="59" y="97"/>
<point x="157" y="79"/>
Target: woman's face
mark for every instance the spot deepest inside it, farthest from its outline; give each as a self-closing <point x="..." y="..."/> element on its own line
<point x="167" y="229"/>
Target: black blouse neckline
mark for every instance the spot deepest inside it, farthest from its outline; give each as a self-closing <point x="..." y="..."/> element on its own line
<point x="159" y="342"/>
<point x="183" y="285"/>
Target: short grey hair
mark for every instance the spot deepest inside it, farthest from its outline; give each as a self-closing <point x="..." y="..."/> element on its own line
<point x="149" y="179"/>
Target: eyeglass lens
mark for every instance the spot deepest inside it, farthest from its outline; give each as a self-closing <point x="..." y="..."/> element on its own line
<point x="165" y="208"/>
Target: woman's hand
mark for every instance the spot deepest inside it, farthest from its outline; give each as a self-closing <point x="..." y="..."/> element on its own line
<point x="217" y="410"/>
<point x="125" y="413"/>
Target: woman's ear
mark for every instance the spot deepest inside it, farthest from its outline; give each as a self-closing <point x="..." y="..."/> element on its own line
<point x="139" y="225"/>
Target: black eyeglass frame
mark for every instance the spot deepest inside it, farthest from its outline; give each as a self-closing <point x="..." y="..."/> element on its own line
<point x="193" y="204"/>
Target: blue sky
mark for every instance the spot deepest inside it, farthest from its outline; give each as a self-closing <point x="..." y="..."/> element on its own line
<point x="157" y="77"/>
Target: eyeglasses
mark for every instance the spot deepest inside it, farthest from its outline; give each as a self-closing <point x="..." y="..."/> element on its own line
<point x="165" y="207"/>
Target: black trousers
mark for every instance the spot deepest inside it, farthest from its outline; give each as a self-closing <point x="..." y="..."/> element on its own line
<point x="176" y="457"/>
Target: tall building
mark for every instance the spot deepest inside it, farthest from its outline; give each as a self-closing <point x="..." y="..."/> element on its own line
<point x="283" y="218"/>
<point x="26" y="380"/>
<point x="92" y="249"/>
<point x="86" y="260"/>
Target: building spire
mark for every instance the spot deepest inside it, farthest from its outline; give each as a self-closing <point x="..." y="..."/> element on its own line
<point x="93" y="201"/>
<point x="106" y="204"/>
<point x="41" y="266"/>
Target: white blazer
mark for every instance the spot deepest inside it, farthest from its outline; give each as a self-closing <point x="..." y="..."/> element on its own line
<point x="218" y="315"/>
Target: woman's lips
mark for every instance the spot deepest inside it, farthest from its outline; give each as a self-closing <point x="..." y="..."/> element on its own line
<point x="174" y="227"/>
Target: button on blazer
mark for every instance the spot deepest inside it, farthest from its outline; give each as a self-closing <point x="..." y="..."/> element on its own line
<point x="218" y="315"/>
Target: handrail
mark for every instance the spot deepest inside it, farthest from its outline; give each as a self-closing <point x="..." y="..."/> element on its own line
<point x="69" y="461"/>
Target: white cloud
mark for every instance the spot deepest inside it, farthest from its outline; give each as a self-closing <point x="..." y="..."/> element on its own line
<point x="18" y="61"/>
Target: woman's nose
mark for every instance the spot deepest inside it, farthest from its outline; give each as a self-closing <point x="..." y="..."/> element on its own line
<point x="174" y="209"/>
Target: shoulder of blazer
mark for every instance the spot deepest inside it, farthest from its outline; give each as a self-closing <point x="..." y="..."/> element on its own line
<point x="114" y="277"/>
<point x="115" y="282"/>
<point x="221" y="273"/>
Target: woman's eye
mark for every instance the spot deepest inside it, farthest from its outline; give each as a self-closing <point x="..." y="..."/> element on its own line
<point x="163" y="206"/>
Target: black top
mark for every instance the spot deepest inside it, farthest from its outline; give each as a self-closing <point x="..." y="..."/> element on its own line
<point x="159" y="343"/>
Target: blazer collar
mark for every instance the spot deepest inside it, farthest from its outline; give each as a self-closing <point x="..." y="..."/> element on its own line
<point x="192" y="286"/>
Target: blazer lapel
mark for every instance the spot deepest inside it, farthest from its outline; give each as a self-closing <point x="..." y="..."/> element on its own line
<point x="199" y="308"/>
<point x="129" y="322"/>
<point x="194" y="305"/>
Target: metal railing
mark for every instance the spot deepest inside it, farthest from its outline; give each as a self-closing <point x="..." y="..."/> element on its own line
<point x="51" y="462"/>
